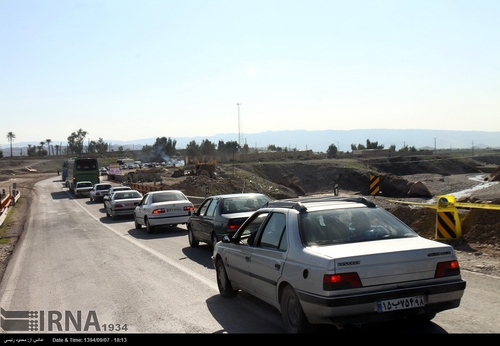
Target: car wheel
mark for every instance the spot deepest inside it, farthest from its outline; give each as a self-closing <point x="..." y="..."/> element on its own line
<point x="149" y="228"/>
<point x="214" y="240"/>
<point x="225" y="288"/>
<point x="113" y="216"/>
<point x="193" y="242"/>
<point x="294" y="319"/>
<point x="90" y="198"/>
<point x="137" y="224"/>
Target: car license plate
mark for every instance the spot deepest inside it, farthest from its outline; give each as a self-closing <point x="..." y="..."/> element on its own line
<point x="400" y="304"/>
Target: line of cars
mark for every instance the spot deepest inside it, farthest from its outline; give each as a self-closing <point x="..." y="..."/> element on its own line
<point x="153" y="209"/>
<point x="335" y="260"/>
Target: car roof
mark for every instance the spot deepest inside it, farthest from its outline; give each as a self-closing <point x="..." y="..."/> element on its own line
<point x="231" y="195"/>
<point x="160" y="191"/>
<point x="322" y="202"/>
<point x="127" y="191"/>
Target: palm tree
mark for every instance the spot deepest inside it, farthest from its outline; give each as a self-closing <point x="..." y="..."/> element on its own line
<point x="11" y="136"/>
<point x="48" y="144"/>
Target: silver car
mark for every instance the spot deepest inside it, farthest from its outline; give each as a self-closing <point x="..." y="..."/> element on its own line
<point x="122" y="203"/>
<point x="337" y="260"/>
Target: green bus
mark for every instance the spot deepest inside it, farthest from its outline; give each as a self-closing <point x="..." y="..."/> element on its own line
<point x="81" y="169"/>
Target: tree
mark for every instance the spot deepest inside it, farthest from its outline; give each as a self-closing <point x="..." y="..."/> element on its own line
<point x="245" y="149"/>
<point x="31" y="150"/>
<point x="75" y="142"/>
<point x="11" y="136"/>
<point x="164" y="148"/>
<point x="97" y="147"/>
<point x="41" y="149"/>
<point x="192" y="150"/>
<point x="48" y="145"/>
<point x="207" y="148"/>
<point x="332" y="150"/>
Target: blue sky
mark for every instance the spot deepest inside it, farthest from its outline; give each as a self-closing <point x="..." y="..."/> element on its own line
<point x="125" y="70"/>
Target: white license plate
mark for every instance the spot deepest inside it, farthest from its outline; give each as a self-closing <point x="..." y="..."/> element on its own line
<point x="400" y="304"/>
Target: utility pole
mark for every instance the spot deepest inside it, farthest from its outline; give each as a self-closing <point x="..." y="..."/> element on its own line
<point x="239" y="126"/>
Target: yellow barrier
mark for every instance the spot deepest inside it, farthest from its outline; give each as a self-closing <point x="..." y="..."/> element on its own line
<point x="447" y="218"/>
<point x="374" y="185"/>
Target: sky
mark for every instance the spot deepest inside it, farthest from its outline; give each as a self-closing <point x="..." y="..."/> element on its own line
<point x="126" y="70"/>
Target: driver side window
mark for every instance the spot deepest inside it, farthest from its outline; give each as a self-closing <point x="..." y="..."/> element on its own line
<point x="248" y="234"/>
<point x="204" y="207"/>
<point x="273" y="235"/>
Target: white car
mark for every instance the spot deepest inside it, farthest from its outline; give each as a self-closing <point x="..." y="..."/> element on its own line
<point x="337" y="260"/>
<point x="98" y="191"/>
<point x="165" y="207"/>
<point x="82" y="188"/>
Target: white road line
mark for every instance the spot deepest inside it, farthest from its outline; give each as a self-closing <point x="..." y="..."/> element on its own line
<point x="208" y="283"/>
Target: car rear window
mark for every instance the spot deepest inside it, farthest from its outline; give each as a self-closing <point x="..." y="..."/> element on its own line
<point x="84" y="184"/>
<point x="168" y="196"/>
<point x="243" y="204"/>
<point x="340" y="226"/>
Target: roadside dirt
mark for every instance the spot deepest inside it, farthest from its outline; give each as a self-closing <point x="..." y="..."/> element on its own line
<point x="478" y="249"/>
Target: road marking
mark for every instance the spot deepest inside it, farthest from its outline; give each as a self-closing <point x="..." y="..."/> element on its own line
<point x="208" y="283"/>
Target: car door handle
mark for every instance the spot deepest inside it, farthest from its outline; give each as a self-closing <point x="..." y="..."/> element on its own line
<point x="247" y="259"/>
<point x="277" y="266"/>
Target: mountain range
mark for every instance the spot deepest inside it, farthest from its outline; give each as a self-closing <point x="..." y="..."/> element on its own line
<point x="318" y="141"/>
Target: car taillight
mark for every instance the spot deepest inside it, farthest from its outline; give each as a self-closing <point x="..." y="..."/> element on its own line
<point x="449" y="268"/>
<point x="233" y="225"/>
<point x="344" y="281"/>
<point x="188" y="208"/>
<point x="158" y="211"/>
<point x="97" y="194"/>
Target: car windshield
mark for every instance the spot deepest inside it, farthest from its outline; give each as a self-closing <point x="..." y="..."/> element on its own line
<point x="168" y="196"/>
<point x="243" y="204"/>
<point x="340" y="226"/>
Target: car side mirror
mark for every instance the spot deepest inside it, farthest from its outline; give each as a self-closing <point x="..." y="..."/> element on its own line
<point x="226" y="239"/>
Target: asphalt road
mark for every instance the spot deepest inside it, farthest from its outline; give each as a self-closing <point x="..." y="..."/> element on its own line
<point x="74" y="260"/>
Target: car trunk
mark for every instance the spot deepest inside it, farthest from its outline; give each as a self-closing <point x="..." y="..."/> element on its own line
<point x="389" y="261"/>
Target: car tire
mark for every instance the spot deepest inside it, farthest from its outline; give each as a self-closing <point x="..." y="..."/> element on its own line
<point x="294" y="319"/>
<point x="214" y="240"/>
<point x="193" y="242"/>
<point x="149" y="228"/>
<point x="226" y="290"/>
<point x="421" y="319"/>
<point x="137" y="224"/>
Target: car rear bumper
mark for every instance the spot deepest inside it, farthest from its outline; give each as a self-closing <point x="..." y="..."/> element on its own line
<point x="363" y="308"/>
<point x="123" y="211"/>
<point x="165" y="220"/>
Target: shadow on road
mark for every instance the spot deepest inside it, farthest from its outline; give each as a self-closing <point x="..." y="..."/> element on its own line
<point x="247" y="314"/>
